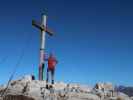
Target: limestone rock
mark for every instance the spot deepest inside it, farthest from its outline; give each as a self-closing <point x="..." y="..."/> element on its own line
<point x="104" y="86"/>
<point x="36" y="89"/>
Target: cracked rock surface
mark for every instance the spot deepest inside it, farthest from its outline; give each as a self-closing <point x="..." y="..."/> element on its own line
<point x="30" y="89"/>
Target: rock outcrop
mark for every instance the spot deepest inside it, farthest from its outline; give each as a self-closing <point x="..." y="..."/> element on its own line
<point x="27" y="87"/>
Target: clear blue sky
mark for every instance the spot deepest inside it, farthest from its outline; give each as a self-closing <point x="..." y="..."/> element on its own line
<point x="93" y="39"/>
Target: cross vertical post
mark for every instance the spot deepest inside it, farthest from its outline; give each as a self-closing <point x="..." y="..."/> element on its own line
<point x="43" y="28"/>
<point x="42" y="48"/>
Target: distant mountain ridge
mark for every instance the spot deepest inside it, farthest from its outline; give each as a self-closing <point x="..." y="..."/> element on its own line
<point x="125" y="89"/>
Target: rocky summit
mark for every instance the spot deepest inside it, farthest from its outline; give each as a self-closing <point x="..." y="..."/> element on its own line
<point x="26" y="88"/>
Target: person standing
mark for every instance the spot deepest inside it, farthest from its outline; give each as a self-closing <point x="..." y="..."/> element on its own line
<point x="51" y="67"/>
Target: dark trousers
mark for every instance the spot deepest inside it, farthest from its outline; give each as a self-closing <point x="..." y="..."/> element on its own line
<point x="52" y="75"/>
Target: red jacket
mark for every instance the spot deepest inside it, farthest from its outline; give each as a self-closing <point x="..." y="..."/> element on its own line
<point x="51" y="62"/>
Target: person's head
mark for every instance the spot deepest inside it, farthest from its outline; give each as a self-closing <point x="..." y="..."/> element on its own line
<point x="51" y="55"/>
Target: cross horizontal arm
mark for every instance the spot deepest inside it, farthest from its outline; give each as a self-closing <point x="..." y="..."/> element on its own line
<point x="37" y="25"/>
<point x="49" y="31"/>
<point x="42" y="27"/>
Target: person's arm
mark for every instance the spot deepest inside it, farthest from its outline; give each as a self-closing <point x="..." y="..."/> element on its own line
<point x="55" y="60"/>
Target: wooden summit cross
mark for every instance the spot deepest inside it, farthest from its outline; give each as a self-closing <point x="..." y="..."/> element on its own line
<point x="43" y="28"/>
